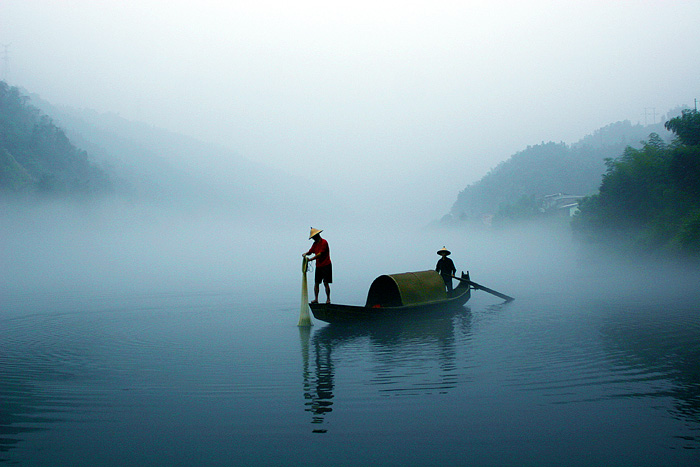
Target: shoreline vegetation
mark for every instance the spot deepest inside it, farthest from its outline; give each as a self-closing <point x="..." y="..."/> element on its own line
<point x="649" y="198"/>
<point x="646" y="200"/>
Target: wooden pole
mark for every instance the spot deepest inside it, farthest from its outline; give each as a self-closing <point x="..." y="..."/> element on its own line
<point x="485" y="289"/>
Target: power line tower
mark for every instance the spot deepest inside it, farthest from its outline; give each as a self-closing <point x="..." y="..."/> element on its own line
<point x="6" y="61"/>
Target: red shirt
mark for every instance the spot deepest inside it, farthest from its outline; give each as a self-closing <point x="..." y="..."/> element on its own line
<point x="323" y="251"/>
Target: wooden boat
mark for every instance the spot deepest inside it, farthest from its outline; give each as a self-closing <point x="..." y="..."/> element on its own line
<point x="397" y="295"/>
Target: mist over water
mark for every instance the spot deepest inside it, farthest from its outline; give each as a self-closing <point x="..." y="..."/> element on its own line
<point x="122" y="247"/>
<point x="166" y="329"/>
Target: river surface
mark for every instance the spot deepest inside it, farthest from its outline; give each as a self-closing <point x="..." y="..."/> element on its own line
<point x="583" y="368"/>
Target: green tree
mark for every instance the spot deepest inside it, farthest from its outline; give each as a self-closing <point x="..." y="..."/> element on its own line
<point x="649" y="198"/>
<point x="686" y="127"/>
<point x="634" y="185"/>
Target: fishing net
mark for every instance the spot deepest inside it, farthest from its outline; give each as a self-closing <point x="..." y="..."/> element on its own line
<point x="304" y="317"/>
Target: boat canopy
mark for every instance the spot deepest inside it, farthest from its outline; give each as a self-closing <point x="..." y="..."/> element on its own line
<point x="408" y="288"/>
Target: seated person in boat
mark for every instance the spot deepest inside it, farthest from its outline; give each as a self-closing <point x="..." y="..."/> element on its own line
<point x="324" y="268"/>
<point x="446" y="268"/>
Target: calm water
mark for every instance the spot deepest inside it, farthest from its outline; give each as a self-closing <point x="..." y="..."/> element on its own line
<point x="148" y="345"/>
<point x="215" y="379"/>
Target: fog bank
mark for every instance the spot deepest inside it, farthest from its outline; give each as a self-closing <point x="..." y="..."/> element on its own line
<point x="124" y="250"/>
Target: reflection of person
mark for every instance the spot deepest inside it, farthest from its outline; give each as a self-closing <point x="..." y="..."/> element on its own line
<point x="446" y="267"/>
<point x="324" y="268"/>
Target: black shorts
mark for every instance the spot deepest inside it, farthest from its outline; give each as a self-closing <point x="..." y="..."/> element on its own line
<point x="324" y="274"/>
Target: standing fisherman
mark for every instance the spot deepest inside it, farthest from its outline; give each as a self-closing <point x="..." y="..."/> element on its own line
<point x="445" y="267"/>
<point x="324" y="268"/>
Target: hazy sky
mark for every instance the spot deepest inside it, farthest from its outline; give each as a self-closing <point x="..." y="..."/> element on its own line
<point x="374" y="96"/>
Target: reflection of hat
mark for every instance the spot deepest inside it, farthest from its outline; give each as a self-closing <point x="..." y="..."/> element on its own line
<point x="314" y="232"/>
<point x="444" y="251"/>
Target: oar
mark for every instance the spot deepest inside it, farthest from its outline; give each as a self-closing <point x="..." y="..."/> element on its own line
<point x="485" y="289"/>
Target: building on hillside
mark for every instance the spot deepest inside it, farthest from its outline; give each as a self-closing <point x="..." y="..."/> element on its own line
<point x="560" y="204"/>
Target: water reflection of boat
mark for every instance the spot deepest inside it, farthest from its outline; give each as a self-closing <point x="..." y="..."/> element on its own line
<point x="407" y="357"/>
<point x="397" y="295"/>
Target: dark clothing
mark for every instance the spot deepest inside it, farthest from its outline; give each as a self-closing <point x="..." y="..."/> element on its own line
<point x="446" y="268"/>
<point x="324" y="274"/>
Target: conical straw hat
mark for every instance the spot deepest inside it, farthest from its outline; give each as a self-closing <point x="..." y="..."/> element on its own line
<point x="314" y="232"/>
<point x="444" y="251"/>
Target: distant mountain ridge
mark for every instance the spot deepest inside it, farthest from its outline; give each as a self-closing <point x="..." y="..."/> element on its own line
<point x="161" y="165"/>
<point x="549" y="168"/>
<point x="141" y="161"/>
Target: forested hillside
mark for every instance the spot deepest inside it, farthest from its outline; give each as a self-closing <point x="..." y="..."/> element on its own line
<point x="36" y="157"/>
<point x="649" y="198"/>
<point x="516" y="185"/>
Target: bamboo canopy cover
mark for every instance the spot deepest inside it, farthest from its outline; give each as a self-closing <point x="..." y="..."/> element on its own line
<point x="408" y="288"/>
